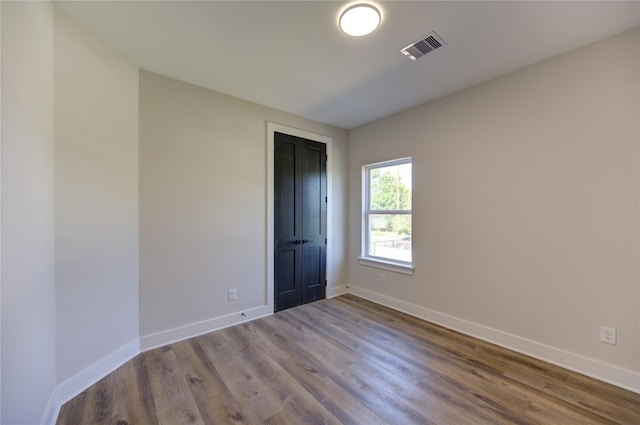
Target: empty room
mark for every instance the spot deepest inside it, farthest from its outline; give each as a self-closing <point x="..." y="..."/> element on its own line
<point x="320" y="212"/>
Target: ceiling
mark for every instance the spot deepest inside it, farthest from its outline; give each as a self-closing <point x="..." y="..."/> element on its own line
<point x="290" y="55"/>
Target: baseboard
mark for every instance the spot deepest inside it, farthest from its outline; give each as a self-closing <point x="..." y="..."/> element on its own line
<point x="76" y="384"/>
<point x="73" y="386"/>
<point x="53" y="408"/>
<point x="336" y="291"/>
<point x="593" y="368"/>
<point x="82" y="380"/>
<point x="170" y="336"/>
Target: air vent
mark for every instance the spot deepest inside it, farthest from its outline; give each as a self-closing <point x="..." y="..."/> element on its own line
<point x="427" y="44"/>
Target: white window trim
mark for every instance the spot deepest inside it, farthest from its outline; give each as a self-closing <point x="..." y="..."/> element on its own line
<point x="373" y="261"/>
<point x="385" y="264"/>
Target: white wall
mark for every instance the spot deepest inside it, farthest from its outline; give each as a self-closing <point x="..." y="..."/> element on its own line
<point x="28" y="297"/>
<point x="203" y="202"/>
<point x="96" y="204"/>
<point x="526" y="203"/>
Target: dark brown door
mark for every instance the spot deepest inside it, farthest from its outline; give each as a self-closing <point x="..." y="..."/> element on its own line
<point x="300" y="220"/>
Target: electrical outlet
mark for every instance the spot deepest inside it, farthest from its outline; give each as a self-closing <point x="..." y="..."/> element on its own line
<point x="608" y="335"/>
<point x="232" y="294"/>
<point x="383" y="278"/>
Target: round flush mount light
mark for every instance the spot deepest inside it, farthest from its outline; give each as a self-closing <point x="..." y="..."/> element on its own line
<point x="359" y="19"/>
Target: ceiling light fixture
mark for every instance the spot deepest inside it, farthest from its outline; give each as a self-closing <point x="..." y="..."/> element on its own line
<point x="360" y="19"/>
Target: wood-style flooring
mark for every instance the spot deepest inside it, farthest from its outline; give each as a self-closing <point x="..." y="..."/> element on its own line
<point x="344" y="361"/>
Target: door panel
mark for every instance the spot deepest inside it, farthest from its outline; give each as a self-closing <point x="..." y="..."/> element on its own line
<point x="289" y="292"/>
<point x="299" y="220"/>
<point x="313" y="198"/>
<point x="312" y="275"/>
<point x="287" y="223"/>
<point x="285" y="172"/>
<point x="287" y="271"/>
<point x="314" y="207"/>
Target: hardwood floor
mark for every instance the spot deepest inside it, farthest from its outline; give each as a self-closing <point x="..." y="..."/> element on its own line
<point x="344" y="361"/>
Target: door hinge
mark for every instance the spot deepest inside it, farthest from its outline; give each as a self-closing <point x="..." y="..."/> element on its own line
<point x="325" y="282"/>
<point x="325" y="241"/>
<point x="325" y="199"/>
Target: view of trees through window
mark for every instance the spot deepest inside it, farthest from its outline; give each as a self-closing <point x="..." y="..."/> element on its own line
<point x="389" y="211"/>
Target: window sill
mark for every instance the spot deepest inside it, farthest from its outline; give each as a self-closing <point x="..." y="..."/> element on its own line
<point x="387" y="265"/>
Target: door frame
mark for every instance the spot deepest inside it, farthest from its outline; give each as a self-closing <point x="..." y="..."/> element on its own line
<point x="328" y="141"/>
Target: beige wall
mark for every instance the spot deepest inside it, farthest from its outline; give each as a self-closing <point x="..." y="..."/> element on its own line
<point x="27" y="284"/>
<point x="203" y="202"/>
<point x="96" y="203"/>
<point x="526" y="194"/>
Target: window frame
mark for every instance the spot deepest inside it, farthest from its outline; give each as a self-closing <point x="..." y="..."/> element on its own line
<point x="365" y="259"/>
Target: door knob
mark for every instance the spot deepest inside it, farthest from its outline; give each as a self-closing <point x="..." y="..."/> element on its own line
<point x="297" y="242"/>
<point x="305" y="241"/>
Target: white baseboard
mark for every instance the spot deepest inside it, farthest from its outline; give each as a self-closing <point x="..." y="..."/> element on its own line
<point x="82" y="380"/>
<point x="593" y="368"/>
<point x="73" y="386"/>
<point x="53" y="408"/>
<point x="170" y="336"/>
<point x="76" y="384"/>
<point x="336" y="291"/>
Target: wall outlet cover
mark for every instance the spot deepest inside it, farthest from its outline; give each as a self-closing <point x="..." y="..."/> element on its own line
<point x="232" y="294"/>
<point x="608" y="335"/>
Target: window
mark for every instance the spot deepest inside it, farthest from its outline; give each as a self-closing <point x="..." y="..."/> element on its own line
<point x="387" y="216"/>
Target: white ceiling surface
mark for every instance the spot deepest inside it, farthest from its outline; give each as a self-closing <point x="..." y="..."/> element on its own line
<point x="290" y="55"/>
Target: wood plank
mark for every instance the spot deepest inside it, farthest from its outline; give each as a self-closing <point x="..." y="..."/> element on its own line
<point x="342" y="404"/>
<point x="214" y="400"/>
<point x="71" y="411"/>
<point x="323" y="359"/>
<point x="174" y="402"/>
<point x="132" y="399"/>
<point x="436" y="400"/>
<point x="345" y="361"/>
<point x="299" y="405"/>
<point x="593" y="402"/>
<point x="245" y="387"/>
<point x="98" y="403"/>
<point x="479" y="377"/>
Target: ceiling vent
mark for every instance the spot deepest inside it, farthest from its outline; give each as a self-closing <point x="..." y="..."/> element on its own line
<point x="427" y="44"/>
